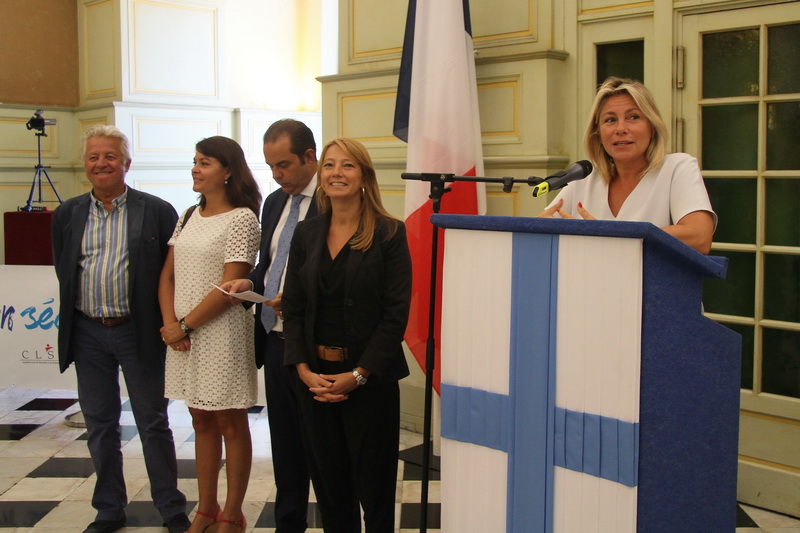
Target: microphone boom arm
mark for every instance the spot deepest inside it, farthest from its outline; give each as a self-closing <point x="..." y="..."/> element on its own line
<point x="440" y="179"/>
<point x="541" y="186"/>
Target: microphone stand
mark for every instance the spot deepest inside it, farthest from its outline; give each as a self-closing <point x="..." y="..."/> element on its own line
<point x="438" y="189"/>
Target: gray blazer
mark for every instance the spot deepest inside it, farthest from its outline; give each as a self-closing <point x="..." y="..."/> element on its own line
<point x="151" y="222"/>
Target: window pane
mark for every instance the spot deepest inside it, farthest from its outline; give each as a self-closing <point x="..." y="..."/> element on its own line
<point x="783" y="130"/>
<point x="730" y="63"/>
<point x="782" y="213"/>
<point x="625" y="60"/>
<point x="734" y="201"/>
<point x="781" y="363"/>
<point x="747" y="353"/>
<point x="784" y="49"/>
<point x="730" y="137"/>
<point x="734" y="295"/>
<point x="781" y="286"/>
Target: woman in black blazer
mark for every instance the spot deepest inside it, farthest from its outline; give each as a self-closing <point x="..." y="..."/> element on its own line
<point x="345" y="308"/>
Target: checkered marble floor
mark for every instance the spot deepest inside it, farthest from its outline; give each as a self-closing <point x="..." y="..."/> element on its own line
<point x="46" y="477"/>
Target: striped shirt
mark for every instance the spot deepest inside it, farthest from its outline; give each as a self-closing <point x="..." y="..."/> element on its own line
<point x="103" y="274"/>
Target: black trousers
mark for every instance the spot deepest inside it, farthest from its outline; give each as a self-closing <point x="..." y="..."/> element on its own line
<point x="288" y="458"/>
<point x="352" y="450"/>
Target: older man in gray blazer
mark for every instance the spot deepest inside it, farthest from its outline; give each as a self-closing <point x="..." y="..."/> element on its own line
<point x="109" y="246"/>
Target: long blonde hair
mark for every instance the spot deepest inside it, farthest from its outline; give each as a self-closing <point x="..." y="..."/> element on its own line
<point x="592" y="144"/>
<point x="372" y="210"/>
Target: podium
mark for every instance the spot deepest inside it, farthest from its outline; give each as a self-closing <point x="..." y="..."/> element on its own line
<point x="582" y="389"/>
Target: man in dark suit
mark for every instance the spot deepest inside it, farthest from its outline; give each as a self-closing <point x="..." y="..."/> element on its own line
<point x="109" y="246"/>
<point x="290" y="151"/>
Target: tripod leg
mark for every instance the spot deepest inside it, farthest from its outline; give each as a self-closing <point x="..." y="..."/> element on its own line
<point x="37" y="177"/>
<point x="51" y="186"/>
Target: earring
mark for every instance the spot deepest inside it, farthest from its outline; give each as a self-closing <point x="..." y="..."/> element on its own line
<point x="363" y="191"/>
<point x="320" y="192"/>
<point x="226" y="182"/>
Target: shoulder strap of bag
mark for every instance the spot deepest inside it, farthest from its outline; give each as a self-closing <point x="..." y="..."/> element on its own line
<point x="187" y="215"/>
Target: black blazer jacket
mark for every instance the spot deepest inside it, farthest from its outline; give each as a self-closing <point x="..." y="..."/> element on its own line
<point x="151" y="222"/>
<point x="270" y="215"/>
<point x="377" y="298"/>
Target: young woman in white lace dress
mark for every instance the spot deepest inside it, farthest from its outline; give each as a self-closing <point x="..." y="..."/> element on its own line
<point x="210" y="355"/>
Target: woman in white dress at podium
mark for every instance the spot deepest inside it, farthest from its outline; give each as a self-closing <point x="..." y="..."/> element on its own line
<point x="634" y="178"/>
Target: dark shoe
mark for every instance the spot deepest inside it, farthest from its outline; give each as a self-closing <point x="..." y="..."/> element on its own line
<point x="105" y="526"/>
<point x="178" y="523"/>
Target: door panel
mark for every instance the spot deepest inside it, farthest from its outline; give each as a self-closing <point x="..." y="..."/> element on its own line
<point x="741" y="110"/>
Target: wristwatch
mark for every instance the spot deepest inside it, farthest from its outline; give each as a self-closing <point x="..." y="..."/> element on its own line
<point x="186" y="329"/>
<point x="361" y="380"/>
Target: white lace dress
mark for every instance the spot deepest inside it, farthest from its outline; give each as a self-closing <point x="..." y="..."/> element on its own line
<point x="219" y="371"/>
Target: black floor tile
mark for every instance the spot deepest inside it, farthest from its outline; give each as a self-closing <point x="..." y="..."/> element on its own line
<point x="64" y="467"/>
<point x="187" y="469"/>
<point x="743" y="519"/>
<point x="410" y="517"/>
<point x="16" y="431"/>
<point x="412" y="470"/>
<point x="415" y="454"/>
<point x="267" y="516"/>
<point x="24" y="514"/>
<point x="48" y="404"/>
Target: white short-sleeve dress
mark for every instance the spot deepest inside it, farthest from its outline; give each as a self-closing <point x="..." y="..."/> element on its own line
<point x="219" y="371"/>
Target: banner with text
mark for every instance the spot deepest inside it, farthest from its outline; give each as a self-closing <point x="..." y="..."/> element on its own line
<point x="29" y="329"/>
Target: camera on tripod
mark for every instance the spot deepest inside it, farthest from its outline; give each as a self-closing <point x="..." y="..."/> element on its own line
<point x="38" y="122"/>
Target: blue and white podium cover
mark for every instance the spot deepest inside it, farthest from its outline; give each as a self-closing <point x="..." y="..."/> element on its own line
<point x="582" y="390"/>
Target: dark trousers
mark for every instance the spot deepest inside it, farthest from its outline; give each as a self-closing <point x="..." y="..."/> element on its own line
<point x="288" y="458"/>
<point x="353" y="453"/>
<point x="99" y="353"/>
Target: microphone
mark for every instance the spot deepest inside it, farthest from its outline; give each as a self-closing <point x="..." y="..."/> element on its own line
<point x="578" y="171"/>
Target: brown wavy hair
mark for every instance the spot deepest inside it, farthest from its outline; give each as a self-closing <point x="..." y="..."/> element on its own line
<point x="241" y="188"/>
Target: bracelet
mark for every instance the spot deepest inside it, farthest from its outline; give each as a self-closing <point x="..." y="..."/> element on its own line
<point x="360" y="379"/>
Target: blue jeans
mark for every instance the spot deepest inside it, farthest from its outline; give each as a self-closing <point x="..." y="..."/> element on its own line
<point x="99" y="353"/>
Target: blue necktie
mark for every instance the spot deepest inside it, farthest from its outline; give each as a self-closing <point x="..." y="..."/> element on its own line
<point x="268" y="317"/>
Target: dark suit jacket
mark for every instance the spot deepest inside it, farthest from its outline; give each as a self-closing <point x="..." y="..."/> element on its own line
<point x="270" y="215"/>
<point x="151" y="222"/>
<point x="377" y="298"/>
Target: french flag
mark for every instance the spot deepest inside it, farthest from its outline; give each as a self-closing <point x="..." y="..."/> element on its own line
<point x="437" y="115"/>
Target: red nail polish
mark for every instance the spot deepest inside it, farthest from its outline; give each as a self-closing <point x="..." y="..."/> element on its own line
<point x="580" y="205"/>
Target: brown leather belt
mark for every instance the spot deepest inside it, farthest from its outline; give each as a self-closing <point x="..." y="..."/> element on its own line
<point x="331" y="353"/>
<point x="109" y="321"/>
